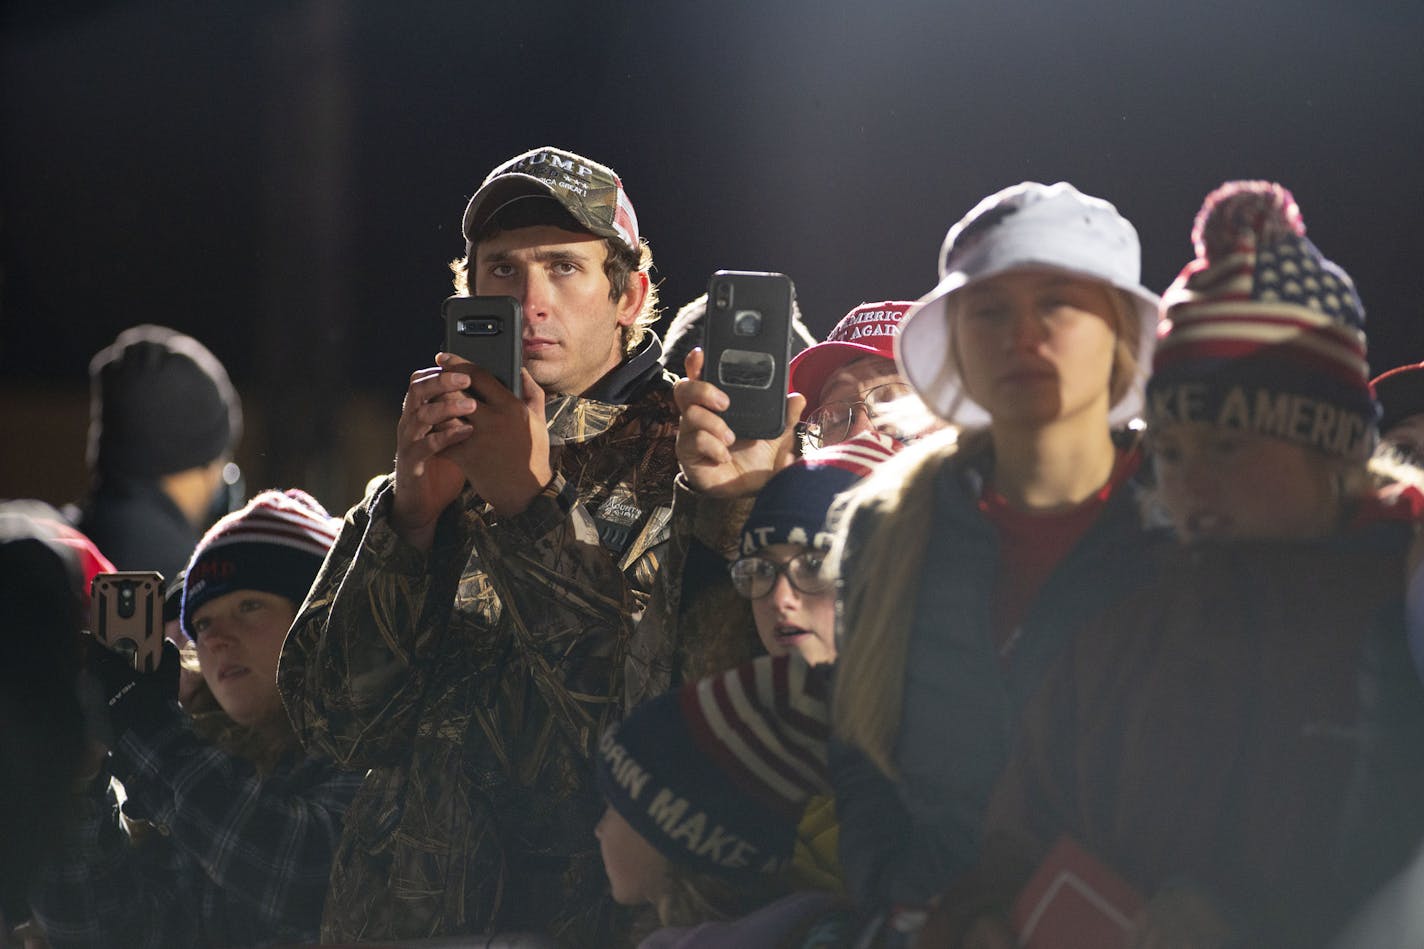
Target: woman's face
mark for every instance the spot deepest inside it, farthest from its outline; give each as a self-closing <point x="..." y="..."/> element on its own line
<point x="239" y="637"/>
<point x="637" y="872"/>
<point x="1036" y="346"/>
<point x="787" y="618"/>
<point x="1219" y="483"/>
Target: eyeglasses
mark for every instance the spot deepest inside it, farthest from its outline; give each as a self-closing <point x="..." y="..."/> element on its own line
<point x="832" y="421"/>
<point x="753" y="577"/>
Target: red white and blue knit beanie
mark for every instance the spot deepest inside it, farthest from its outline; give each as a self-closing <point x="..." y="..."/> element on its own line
<point x="716" y="775"/>
<point x="1262" y="334"/>
<point x="791" y="507"/>
<point x="275" y="544"/>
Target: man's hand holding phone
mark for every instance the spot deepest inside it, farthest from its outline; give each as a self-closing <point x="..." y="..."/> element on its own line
<point x="432" y="421"/>
<point x="505" y="455"/>
<point x="713" y="460"/>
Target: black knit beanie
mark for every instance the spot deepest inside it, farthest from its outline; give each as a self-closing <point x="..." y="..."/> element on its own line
<point x="160" y="403"/>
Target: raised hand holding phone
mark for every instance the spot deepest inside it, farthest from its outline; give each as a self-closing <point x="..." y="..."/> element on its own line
<point x="432" y="420"/>
<point x="713" y="460"/>
<point x="749" y="347"/>
<point x="505" y="456"/>
<point x="128" y="615"/>
<point x="488" y="332"/>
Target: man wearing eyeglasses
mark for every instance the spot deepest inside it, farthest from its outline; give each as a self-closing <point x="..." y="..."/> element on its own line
<point x="849" y="379"/>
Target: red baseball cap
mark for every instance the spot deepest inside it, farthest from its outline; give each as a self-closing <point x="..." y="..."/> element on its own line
<point x="1400" y="393"/>
<point x="868" y="330"/>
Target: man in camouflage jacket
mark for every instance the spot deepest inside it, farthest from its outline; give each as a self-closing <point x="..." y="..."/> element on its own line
<point x="466" y="638"/>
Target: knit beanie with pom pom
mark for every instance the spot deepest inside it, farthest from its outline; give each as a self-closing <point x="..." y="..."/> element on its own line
<point x="1260" y="333"/>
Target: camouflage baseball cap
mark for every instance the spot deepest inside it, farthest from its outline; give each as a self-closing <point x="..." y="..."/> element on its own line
<point x="590" y="192"/>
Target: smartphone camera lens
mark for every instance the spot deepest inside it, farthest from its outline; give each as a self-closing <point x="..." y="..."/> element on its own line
<point x="126" y="600"/>
<point x="487" y="326"/>
<point x="746" y="323"/>
<point x="722" y="296"/>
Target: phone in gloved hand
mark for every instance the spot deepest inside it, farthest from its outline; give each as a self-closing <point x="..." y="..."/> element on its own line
<point x="128" y="615"/>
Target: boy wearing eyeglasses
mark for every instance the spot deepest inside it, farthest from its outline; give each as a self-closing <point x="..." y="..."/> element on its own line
<point x="781" y="569"/>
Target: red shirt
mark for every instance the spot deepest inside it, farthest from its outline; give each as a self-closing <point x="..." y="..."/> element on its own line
<point x="1032" y="544"/>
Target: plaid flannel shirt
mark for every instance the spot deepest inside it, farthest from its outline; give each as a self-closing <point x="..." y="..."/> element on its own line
<point x="234" y="858"/>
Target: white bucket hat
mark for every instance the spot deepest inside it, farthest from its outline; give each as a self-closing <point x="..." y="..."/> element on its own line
<point x="1030" y="225"/>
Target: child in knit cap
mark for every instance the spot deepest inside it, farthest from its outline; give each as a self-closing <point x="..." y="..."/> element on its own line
<point x="249" y="822"/>
<point x="781" y="569"/>
<point x="1260" y="409"/>
<point x="704" y="788"/>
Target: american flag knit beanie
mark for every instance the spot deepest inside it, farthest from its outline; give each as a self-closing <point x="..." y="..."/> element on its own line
<point x="716" y="774"/>
<point x="1260" y="333"/>
<point x="275" y="544"/>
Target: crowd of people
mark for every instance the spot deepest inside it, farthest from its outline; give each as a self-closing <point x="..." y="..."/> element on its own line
<point x="1048" y="578"/>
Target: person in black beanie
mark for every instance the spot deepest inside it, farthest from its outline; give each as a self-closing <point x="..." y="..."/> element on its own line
<point x="247" y="821"/>
<point x="164" y="420"/>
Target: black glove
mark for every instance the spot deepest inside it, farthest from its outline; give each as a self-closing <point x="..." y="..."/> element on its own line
<point x="137" y="701"/>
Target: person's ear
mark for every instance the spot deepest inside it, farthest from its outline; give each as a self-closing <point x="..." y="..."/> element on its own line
<point x="630" y="305"/>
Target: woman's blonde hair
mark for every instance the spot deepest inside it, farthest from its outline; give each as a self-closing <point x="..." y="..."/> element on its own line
<point x="878" y="597"/>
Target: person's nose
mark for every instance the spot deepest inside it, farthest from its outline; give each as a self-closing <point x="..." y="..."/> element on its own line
<point x="1026" y="328"/>
<point x="1199" y="476"/>
<point x="783" y="595"/>
<point x="218" y="636"/>
<point x="534" y="296"/>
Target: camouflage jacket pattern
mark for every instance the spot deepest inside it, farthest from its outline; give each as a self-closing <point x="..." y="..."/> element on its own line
<point x="474" y="682"/>
<point x="696" y="623"/>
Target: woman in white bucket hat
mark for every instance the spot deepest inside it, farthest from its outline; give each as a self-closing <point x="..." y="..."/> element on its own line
<point x="968" y="560"/>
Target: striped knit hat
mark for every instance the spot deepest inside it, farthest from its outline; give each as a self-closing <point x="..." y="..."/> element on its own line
<point x="717" y="774"/>
<point x="1261" y="333"/>
<point x="275" y="544"/>
<point x="791" y="507"/>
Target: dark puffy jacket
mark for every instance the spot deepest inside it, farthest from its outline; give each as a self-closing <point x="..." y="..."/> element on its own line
<point x="904" y="841"/>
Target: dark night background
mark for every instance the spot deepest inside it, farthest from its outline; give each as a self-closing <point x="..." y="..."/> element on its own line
<point x="284" y="180"/>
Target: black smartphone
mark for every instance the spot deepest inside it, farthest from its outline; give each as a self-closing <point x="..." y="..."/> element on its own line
<point x="748" y="348"/>
<point x="489" y="332"/>
<point x="128" y="615"/>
